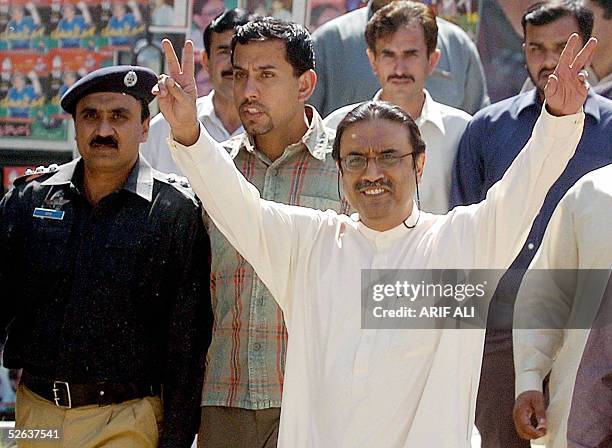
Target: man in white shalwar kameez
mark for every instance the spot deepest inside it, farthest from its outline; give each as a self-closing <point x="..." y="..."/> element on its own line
<point x="346" y="386"/>
<point x="566" y="277"/>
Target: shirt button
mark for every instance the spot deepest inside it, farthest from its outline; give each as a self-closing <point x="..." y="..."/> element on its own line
<point x="257" y="346"/>
<point x="530" y="246"/>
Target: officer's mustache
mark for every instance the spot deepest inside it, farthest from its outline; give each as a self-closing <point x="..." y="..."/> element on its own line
<point x="364" y="184"/>
<point x="406" y="77"/>
<point x="104" y="141"/>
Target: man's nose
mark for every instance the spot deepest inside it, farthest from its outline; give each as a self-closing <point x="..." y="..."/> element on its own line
<point x="105" y="128"/>
<point x="251" y="90"/>
<point x="372" y="172"/>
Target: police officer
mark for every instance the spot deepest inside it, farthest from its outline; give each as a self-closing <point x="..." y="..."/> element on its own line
<point x="105" y="277"/>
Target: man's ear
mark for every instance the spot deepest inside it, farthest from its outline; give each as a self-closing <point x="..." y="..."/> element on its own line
<point x="434" y="58"/>
<point x="420" y="165"/>
<point x="372" y="59"/>
<point x="145" y="130"/>
<point x="307" y="82"/>
<point x="205" y="60"/>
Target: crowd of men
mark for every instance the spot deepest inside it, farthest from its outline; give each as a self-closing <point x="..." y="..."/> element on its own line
<point x="145" y="307"/>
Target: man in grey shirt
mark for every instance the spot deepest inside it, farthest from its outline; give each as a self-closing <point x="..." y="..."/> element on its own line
<point x="345" y="77"/>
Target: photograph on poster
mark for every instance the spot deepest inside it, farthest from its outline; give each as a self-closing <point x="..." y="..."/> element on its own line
<point x="164" y="16"/>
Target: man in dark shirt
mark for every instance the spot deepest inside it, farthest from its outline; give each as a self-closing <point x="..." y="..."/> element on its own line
<point x="492" y="140"/>
<point x="105" y="274"/>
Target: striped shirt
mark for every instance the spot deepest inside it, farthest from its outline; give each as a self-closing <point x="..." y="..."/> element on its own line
<point x="246" y="359"/>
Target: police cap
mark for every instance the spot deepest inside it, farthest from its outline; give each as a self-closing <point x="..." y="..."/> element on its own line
<point x="130" y="79"/>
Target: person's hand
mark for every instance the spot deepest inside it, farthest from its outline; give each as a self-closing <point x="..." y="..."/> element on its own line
<point x="530" y="406"/>
<point x="567" y="87"/>
<point x="177" y="93"/>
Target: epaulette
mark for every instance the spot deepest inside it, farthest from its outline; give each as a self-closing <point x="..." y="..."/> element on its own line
<point x="180" y="183"/>
<point x="31" y="174"/>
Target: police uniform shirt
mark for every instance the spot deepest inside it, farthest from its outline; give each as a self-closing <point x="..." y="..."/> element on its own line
<point x="118" y="292"/>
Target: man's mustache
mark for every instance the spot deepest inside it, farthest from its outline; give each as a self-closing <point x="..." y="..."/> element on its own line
<point x="225" y="73"/>
<point x="247" y="103"/>
<point x="401" y="77"/>
<point x="364" y="184"/>
<point x="104" y="141"/>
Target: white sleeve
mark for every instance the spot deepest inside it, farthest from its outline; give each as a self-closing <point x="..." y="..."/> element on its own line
<point x="545" y="300"/>
<point x="269" y="235"/>
<point x="489" y="235"/>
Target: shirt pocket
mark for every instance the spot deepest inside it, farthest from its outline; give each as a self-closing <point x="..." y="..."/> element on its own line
<point x="45" y="247"/>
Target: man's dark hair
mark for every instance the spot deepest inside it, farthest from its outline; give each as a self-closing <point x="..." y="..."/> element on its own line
<point x="379" y="110"/>
<point x="226" y="21"/>
<point x="543" y="13"/>
<point x="400" y="13"/>
<point x="300" y="50"/>
<point x="606" y="5"/>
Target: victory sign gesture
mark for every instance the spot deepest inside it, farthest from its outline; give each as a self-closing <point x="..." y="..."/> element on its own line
<point x="177" y="93"/>
<point x="567" y="88"/>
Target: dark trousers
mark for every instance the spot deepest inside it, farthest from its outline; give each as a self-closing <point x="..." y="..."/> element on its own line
<point x="496" y="393"/>
<point x="224" y="427"/>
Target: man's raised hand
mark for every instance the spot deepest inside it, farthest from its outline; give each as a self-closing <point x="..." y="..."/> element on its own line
<point x="567" y="87"/>
<point x="177" y="93"/>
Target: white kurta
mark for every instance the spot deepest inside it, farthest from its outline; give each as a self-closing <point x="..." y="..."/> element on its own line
<point x="349" y="387"/>
<point x="579" y="236"/>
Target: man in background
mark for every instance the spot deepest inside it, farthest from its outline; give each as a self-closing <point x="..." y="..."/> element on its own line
<point x="285" y="152"/>
<point x="491" y="142"/>
<point x="345" y="76"/>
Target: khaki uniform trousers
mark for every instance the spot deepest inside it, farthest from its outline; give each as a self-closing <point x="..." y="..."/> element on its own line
<point x="131" y="424"/>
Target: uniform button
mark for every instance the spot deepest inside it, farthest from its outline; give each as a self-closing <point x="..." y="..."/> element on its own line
<point x="257" y="346"/>
<point x="530" y="246"/>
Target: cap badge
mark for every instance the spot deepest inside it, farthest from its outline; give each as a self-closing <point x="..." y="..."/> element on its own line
<point x="130" y="79"/>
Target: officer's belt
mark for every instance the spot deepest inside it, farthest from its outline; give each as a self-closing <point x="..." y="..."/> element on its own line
<point x="70" y="395"/>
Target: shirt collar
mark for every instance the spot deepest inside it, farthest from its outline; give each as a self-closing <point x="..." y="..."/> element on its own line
<point x="206" y="111"/>
<point x="318" y="139"/>
<point x="527" y="100"/>
<point x="530" y="99"/>
<point x="393" y="233"/>
<point x="431" y="112"/>
<point x="139" y="181"/>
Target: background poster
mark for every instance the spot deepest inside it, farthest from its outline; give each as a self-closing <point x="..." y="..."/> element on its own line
<point x="47" y="45"/>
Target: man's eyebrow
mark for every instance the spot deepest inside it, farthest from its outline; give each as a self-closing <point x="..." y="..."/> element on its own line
<point x="119" y="110"/>
<point x="259" y="67"/>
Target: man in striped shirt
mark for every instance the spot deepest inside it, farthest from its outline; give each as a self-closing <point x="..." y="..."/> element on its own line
<point x="286" y="153"/>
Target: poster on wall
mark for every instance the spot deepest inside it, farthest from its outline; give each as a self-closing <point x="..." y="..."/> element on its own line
<point x="47" y="45"/>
